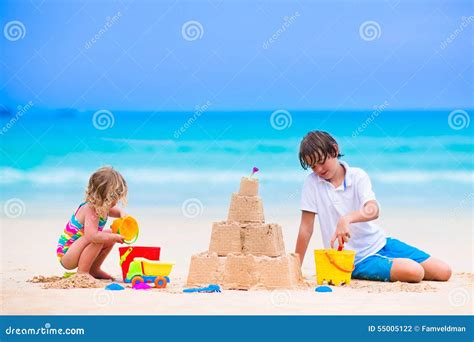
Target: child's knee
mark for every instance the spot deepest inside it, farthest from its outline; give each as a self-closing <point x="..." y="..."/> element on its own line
<point x="415" y="273"/>
<point x="407" y="270"/>
<point x="67" y="264"/>
<point x="444" y="273"/>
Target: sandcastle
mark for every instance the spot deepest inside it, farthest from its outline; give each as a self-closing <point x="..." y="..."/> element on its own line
<point x="245" y="252"/>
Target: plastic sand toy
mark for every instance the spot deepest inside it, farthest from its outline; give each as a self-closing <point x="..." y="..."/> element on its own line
<point x="323" y="288"/>
<point x="127" y="254"/>
<point x="142" y="270"/>
<point x="334" y="266"/>
<point x="208" y="289"/>
<point x="141" y="286"/>
<point x="127" y="227"/>
<point x="68" y="274"/>
<point x="114" y="287"/>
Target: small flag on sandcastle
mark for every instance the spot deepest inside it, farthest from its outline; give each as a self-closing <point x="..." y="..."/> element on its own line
<point x="254" y="171"/>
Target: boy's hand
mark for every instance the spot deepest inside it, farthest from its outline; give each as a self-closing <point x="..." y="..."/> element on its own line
<point x="342" y="233"/>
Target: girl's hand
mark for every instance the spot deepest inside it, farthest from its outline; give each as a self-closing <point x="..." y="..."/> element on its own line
<point x="118" y="238"/>
<point x="342" y="233"/>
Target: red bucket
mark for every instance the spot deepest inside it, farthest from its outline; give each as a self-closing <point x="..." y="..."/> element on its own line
<point x="128" y="253"/>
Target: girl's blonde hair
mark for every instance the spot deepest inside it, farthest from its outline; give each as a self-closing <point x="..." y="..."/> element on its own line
<point x="106" y="186"/>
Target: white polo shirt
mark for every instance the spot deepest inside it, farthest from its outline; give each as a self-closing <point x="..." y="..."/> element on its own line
<point x="321" y="197"/>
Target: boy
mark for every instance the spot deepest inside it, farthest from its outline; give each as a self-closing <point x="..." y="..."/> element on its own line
<point x="343" y="199"/>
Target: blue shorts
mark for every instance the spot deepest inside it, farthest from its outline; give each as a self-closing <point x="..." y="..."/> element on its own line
<point x="378" y="266"/>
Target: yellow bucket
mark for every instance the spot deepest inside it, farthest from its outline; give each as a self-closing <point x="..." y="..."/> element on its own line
<point x="334" y="267"/>
<point x="155" y="268"/>
<point x="127" y="227"/>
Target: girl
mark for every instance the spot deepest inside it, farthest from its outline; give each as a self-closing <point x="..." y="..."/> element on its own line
<point x="85" y="243"/>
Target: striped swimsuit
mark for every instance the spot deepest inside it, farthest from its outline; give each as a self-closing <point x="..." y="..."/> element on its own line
<point x="73" y="231"/>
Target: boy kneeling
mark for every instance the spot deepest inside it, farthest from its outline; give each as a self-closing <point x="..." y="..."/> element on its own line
<point x="343" y="199"/>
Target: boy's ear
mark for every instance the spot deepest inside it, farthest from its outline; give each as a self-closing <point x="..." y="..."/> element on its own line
<point x="336" y="148"/>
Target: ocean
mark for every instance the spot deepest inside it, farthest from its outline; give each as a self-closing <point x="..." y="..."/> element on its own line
<point x="414" y="158"/>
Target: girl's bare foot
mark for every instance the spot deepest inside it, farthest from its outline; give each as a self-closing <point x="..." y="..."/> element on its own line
<point x="99" y="274"/>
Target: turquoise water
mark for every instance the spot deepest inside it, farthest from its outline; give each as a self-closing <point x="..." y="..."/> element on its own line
<point x="413" y="158"/>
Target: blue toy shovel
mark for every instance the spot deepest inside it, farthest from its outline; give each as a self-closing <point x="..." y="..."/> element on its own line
<point x="208" y="289"/>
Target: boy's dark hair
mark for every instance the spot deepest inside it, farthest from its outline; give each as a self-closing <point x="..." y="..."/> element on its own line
<point x="316" y="147"/>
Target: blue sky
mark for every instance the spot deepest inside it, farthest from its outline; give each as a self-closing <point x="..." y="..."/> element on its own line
<point x="319" y="56"/>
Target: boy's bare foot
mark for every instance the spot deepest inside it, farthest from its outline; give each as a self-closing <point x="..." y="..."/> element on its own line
<point x="99" y="274"/>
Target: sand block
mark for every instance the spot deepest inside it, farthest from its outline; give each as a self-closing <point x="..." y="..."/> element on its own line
<point x="280" y="272"/>
<point x="248" y="186"/>
<point x="245" y="272"/>
<point x="262" y="239"/>
<point x="206" y="268"/>
<point x="246" y="209"/>
<point x="251" y="238"/>
<point x="225" y="238"/>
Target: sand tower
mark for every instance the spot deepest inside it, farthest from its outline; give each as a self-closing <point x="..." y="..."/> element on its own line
<point x="245" y="252"/>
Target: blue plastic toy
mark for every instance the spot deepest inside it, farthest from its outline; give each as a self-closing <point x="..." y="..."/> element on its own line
<point x="208" y="289"/>
<point x="323" y="288"/>
<point x="114" y="287"/>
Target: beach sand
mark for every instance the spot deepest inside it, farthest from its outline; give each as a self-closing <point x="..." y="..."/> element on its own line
<point x="28" y="245"/>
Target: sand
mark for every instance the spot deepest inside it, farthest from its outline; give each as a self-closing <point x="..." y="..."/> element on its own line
<point x="180" y="237"/>
<point x="76" y="281"/>
<point x="378" y="287"/>
<point x="44" y="279"/>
